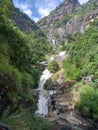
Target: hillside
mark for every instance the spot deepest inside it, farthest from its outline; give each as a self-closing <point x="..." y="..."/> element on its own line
<point x="20" y="69"/>
<point x="24" y="22"/>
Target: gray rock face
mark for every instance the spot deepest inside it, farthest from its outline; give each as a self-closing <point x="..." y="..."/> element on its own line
<point x="81" y="23"/>
<point x="65" y="8"/>
<point x="75" y="23"/>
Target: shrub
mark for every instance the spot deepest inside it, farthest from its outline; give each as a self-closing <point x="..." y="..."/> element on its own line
<point x="88" y="102"/>
<point x="53" y="66"/>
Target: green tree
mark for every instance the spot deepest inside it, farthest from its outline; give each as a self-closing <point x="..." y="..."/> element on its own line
<point x="53" y="66"/>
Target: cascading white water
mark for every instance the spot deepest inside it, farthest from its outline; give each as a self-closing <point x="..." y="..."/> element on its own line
<point x="43" y="95"/>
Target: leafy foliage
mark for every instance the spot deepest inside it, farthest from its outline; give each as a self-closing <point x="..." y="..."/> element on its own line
<point x="38" y="47"/>
<point x="53" y="66"/>
<point x="88" y="102"/>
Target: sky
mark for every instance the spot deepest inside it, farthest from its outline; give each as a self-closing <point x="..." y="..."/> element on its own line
<point x="37" y="9"/>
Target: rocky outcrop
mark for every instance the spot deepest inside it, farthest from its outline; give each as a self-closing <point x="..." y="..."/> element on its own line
<point x="63" y="110"/>
<point x="74" y="25"/>
<point x="81" y="23"/>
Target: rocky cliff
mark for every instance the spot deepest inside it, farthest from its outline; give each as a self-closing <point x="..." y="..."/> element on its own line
<point x="81" y="23"/>
<point x="68" y="18"/>
<point x="23" y="21"/>
<point x="65" y="8"/>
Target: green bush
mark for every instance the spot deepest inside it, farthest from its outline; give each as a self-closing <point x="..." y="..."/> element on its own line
<point x="71" y="71"/>
<point x="88" y="102"/>
<point x="25" y="119"/>
<point x="53" y="66"/>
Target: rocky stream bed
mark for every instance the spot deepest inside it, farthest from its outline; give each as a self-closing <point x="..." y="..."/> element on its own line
<point x="62" y="112"/>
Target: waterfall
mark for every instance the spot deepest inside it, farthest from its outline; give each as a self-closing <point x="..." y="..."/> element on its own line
<point x="53" y="42"/>
<point x="43" y="95"/>
<point x="82" y="28"/>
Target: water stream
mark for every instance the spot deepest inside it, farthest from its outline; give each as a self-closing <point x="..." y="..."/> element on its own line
<point x="43" y="94"/>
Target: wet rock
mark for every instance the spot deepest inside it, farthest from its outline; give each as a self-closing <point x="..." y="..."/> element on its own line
<point x="63" y="109"/>
<point x="75" y="122"/>
<point x="51" y="85"/>
<point x="56" y="79"/>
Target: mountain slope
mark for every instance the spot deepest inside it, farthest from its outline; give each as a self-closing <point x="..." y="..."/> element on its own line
<point x="63" y="21"/>
<point x="65" y="8"/>
<point x="23" y="21"/>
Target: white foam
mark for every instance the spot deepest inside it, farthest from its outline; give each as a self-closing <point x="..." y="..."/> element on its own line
<point x="62" y="53"/>
<point x="43" y="95"/>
